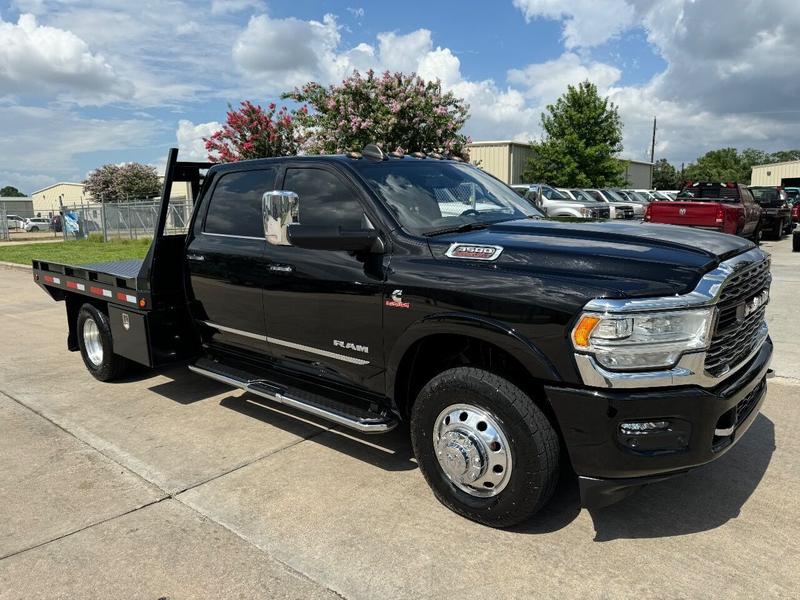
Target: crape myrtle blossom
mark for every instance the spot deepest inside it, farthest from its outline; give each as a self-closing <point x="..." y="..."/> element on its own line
<point x="394" y="110"/>
<point x="252" y="132"/>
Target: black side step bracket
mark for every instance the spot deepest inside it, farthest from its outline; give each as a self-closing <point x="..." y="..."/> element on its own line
<point x="337" y="412"/>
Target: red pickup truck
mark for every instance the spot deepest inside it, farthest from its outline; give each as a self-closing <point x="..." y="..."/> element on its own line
<point x="725" y="207"/>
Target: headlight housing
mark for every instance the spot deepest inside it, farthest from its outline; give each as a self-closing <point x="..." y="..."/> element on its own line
<point x="642" y="340"/>
<point x="586" y="211"/>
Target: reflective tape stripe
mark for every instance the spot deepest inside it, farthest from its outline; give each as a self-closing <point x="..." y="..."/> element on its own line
<point x="126" y="297"/>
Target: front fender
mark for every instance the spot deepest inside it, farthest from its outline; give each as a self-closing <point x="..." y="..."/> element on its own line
<point x="481" y="328"/>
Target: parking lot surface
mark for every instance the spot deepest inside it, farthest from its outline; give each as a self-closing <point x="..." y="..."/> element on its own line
<point x="168" y="485"/>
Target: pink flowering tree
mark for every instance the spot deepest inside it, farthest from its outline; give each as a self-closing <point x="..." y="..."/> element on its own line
<point x="399" y="112"/>
<point x="252" y="132"/>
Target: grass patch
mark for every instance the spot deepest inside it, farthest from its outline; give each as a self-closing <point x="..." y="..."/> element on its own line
<point x="77" y="252"/>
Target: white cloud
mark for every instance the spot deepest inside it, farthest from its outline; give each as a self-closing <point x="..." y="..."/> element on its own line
<point x="547" y="81"/>
<point x="34" y="56"/>
<point x="586" y="23"/>
<point x="221" y="7"/>
<point x="283" y="53"/>
<point x="47" y="140"/>
<point x="190" y="139"/>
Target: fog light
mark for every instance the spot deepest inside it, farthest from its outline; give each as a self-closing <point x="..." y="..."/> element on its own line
<point x="642" y="427"/>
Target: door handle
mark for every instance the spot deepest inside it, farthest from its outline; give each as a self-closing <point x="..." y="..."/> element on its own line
<point x="281" y="269"/>
<point x="197" y="257"/>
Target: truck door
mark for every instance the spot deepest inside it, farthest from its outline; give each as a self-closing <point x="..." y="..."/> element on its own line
<point x="226" y="262"/>
<point x="324" y="307"/>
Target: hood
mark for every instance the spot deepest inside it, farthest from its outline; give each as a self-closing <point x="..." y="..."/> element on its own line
<point x="627" y="259"/>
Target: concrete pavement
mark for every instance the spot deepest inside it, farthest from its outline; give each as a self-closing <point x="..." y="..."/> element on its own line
<point x="169" y="485"/>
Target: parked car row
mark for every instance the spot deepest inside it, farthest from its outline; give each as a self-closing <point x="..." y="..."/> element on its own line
<point x="594" y="203"/>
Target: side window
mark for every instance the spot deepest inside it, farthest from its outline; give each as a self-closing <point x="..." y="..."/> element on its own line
<point x="325" y="199"/>
<point x="235" y="206"/>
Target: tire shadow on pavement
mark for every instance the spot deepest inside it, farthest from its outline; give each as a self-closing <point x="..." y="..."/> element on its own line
<point x="700" y="500"/>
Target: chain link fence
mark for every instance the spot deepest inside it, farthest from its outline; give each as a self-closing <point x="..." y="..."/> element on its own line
<point x="4" y="232"/>
<point x="113" y="220"/>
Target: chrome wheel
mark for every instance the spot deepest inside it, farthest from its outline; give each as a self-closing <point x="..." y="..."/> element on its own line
<point x="472" y="450"/>
<point x="92" y="342"/>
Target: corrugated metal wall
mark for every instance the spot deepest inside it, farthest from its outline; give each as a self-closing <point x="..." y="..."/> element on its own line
<point x="520" y="154"/>
<point x="773" y="174"/>
<point x="639" y="175"/>
<point x="492" y="158"/>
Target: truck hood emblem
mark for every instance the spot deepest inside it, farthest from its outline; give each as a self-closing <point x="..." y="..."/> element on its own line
<point x="473" y="251"/>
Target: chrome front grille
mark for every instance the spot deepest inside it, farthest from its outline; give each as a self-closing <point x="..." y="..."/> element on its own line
<point x="736" y="334"/>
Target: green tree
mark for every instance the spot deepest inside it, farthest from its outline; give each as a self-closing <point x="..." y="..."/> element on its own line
<point x="397" y="111"/>
<point x="665" y="176"/>
<point x="115" y="183"/>
<point x="727" y="164"/>
<point x="583" y="136"/>
<point x="783" y="156"/>
<point x="11" y="192"/>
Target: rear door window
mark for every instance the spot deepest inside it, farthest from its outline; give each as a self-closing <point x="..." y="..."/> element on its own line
<point x="235" y="206"/>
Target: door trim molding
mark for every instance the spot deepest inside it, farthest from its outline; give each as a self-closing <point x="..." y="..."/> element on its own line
<point x="288" y="344"/>
<point x="327" y="353"/>
<point x="255" y="336"/>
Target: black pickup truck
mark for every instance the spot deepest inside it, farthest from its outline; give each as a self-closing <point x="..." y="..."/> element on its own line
<point x="372" y="289"/>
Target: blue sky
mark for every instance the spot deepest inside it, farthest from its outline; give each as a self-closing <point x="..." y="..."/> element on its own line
<point x="84" y="83"/>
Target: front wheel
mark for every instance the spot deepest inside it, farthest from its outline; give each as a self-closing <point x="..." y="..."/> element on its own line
<point x="97" y="346"/>
<point x="486" y="449"/>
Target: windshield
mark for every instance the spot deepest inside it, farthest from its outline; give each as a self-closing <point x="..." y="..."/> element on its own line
<point x="710" y="191"/>
<point x="638" y="197"/>
<point x="767" y="195"/>
<point x="432" y="196"/>
<point x="583" y="196"/>
<point x="614" y="196"/>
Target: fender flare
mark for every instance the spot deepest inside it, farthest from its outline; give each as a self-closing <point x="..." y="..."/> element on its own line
<point x="481" y="328"/>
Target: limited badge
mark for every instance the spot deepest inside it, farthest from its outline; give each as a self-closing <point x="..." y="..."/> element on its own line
<point x="474" y="252"/>
<point x="126" y="321"/>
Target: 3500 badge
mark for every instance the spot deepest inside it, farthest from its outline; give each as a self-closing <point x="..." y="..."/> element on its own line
<point x="474" y="252"/>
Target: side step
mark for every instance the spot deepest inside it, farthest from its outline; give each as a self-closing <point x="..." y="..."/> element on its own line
<point x="338" y="412"/>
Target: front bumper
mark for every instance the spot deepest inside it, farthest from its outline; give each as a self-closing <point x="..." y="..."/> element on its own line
<point x="704" y="424"/>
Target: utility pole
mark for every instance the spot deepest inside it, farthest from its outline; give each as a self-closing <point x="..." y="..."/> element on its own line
<point x="653" y="142"/>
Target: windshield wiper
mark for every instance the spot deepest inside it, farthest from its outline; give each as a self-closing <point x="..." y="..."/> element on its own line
<point x="458" y="229"/>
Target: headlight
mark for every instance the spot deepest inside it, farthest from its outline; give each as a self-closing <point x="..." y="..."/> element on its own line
<point x="586" y="212"/>
<point x="647" y="340"/>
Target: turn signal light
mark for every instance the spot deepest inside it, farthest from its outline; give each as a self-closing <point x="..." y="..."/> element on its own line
<point x="583" y="330"/>
<point x="142" y="302"/>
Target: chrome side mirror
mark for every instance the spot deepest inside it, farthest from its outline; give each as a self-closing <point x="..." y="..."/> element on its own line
<point x="280" y="209"/>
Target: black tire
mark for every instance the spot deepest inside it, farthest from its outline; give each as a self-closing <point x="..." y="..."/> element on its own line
<point x="34" y="228"/>
<point x="796" y="241"/>
<point x="111" y="366"/>
<point x="756" y="235"/>
<point x="533" y="442"/>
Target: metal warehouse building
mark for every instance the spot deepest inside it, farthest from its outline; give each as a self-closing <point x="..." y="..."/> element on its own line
<point x="507" y="160"/>
<point x="504" y="160"/>
<point x="786" y="174"/>
<point x="16" y="205"/>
